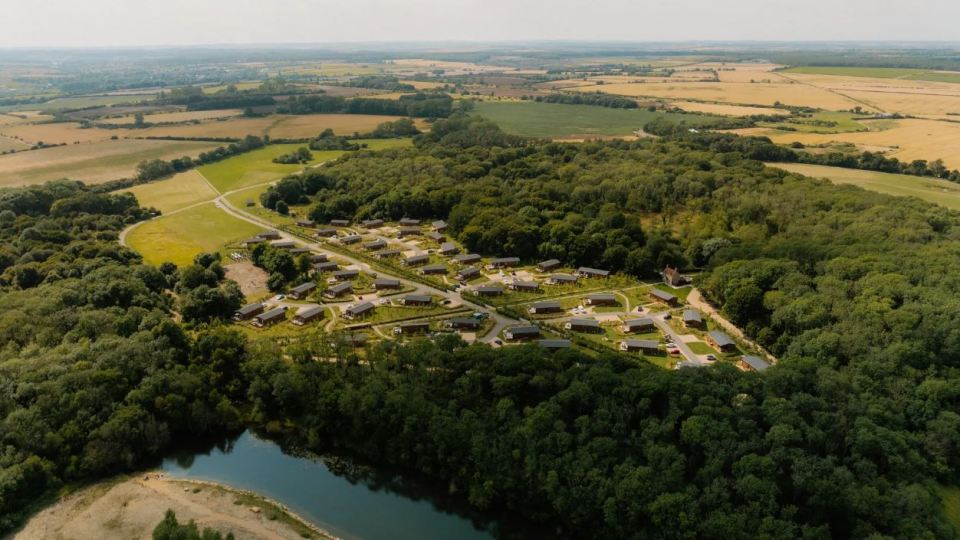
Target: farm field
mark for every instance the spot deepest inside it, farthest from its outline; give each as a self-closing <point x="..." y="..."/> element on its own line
<point x="93" y="162"/>
<point x="7" y="143"/>
<point x="179" y="238"/>
<point x="831" y="122"/>
<point x="726" y="110"/>
<point x="553" y="120"/>
<point x="181" y="116"/>
<point x="932" y="190"/>
<point x="184" y="189"/>
<point x="880" y="73"/>
<point x="906" y="140"/>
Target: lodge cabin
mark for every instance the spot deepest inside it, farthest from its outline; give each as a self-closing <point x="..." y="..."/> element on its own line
<point x="326" y="266"/>
<point x="752" y="363"/>
<point x="338" y="290"/>
<point x="488" y="291"/>
<point x="433" y="269"/>
<point x="692" y="318"/>
<point x="275" y="315"/>
<point x="524" y="286"/>
<point x="601" y="299"/>
<point x="307" y="314"/>
<point x="554" y="344"/>
<point x="436" y="237"/>
<point x="417" y="300"/>
<point x="412" y="328"/>
<point x="548" y="265"/>
<point x="409" y="222"/>
<point x="416" y="260"/>
<point x="591" y="326"/>
<point x="325" y="233"/>
<point x="374" y="245"/>
<point x="632" y="326"/>
<point x="504" y="262"/>
<point x="299" y="251"/>
<point x="561" y="279"/>
<point x="447" y="249"/>
<point x="403" y="232"/>
<point x="522" y="332"/>
<point x="467" y="258"/>
<point x="344" y="275"/>
<point x="248" y="311"/>
<point x="282" y="244"/>
<point x="464" y="324"/>
<point x="250" y="242"/>
<point x="381" y="284"/>
<point x="467" y="273"/>
<point x="673" y="277"/>
<point x="586" y="272"/>
<point x="318" y="258"/>
<point x="372" y="223"/>
<point x="302" y="291"/>
<point x="721" y="341"/>
<point x="339" y="222"/>
<point x="645" y="346"/>
<point x="547" y="306"/>
<point x="350" y="239"/>
<point x="439" y="225"/>
<point x="269" y="235"/>
<point x="358" y="311"/>
<point x="663" y="296"/>
<point x="387" y="253"/>
<point x="305" y="223"/>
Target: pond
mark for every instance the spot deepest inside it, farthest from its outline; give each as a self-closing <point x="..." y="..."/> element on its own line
<point x="348" y="500"/>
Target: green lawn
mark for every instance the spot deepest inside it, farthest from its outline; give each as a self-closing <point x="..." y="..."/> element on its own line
<point x="699" y="347"/>
<point x="828" y="122"/>
<point x="258" y="167"/>
<point x="932" y="190"/>
<point x="179" y="238"/>
<point x="950" y="495"/>
<point x="183" y="190"/>
<point x="554" y="120"/>
<point x="881" y="73"/>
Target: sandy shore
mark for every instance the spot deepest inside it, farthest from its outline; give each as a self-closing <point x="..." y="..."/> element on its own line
<point x="130" y="507"/>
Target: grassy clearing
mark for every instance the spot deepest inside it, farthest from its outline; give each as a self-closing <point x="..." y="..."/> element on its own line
<point x="256" y="167"/>
<point x="182" y="190"/>
<point x="699" y="347"/>
<point x="92" y="163"/>
<point x="179" y="238"/>
<point x="827" y="122"/>
<point x="932" y="190"/>
<point x="880" y="73"/>
<point x="950" y="495"/>
<point x="553" y="120"/>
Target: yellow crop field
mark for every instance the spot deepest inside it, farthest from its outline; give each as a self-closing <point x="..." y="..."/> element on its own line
<point x="184" y="189"/>
<point x="907" y="140"/>
<point x="92" y="162"/>
<point x="342" y="124"/>
<point x="59" y="133"/>
<point x="764" y="94"/>
<point x="726" y="110"/>
<point x="182" y="116"/>
<point x="7" y="143"/>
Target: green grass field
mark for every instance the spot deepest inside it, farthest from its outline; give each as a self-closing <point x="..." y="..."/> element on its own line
<point x="844" y="123"/>
<point x="880" y="73"/>
<point x="932" y="190"/>
<point x="553" y="120"/>
<point x="182" y="190"/>
<point x="179" y="238"/>
<point x="258" y="167"/>
<point x="951" y="505"/>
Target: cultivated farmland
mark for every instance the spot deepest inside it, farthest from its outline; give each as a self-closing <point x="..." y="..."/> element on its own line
<point x="180" y="237"/>
<point x="92" y="162"/>
<point x="176" y="117"/>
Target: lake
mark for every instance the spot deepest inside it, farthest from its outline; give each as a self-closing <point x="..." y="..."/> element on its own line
<point x="348" y="500"/>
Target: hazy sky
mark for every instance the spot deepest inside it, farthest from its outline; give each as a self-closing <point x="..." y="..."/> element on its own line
<point x="179" y="22"/>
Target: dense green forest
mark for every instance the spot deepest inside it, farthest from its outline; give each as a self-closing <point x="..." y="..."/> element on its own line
<point x="848" y="436"/>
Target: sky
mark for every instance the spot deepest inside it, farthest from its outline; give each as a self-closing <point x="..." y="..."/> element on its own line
<point x="121" y="23"/>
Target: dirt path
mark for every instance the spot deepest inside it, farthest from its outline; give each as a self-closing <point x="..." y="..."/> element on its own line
<point x="132" y="507"/>
<point x="696" y="300"/>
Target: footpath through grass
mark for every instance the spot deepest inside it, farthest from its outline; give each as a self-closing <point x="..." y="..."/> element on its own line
<point x="179" y="238"/>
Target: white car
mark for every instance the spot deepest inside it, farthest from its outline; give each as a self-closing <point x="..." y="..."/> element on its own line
<point x="279" y="297"/>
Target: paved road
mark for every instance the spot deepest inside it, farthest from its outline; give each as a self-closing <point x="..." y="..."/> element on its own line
<point x="696" y="300"/>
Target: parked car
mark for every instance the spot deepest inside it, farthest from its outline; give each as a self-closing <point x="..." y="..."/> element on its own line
<point x="711" y="357"/>
<point x="446" y="301"/>
<point x="667" y="317"/>
<point x="279" y="297"/>
<point x="674" y="351"/>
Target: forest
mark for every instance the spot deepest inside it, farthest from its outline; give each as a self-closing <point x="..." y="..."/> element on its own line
<point x="850" y="435"/>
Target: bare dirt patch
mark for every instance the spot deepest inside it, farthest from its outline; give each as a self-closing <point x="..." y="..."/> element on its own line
<point x="252" y="280"/>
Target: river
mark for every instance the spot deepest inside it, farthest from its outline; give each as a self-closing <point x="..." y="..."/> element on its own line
<point x="336" y="494"/>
